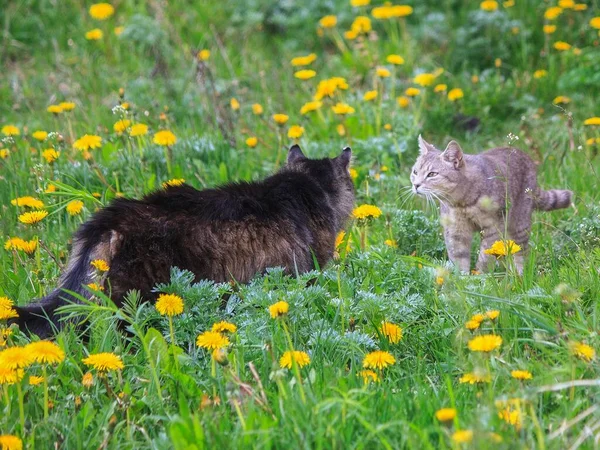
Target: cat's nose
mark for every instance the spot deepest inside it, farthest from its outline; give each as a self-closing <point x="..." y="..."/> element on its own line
<point x="416" y="187"/>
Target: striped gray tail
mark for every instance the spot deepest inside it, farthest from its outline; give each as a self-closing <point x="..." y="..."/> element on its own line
<point x="553" y="199"/>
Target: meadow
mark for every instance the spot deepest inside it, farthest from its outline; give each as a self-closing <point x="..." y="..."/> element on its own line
<point x="388" y="346"/>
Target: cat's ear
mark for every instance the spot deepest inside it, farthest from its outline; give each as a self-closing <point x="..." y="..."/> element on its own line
<point x="344" y="159"/>
<point x="295" y="154"/>
<point x="453" y="154"/>
<point x="424" y="146"/>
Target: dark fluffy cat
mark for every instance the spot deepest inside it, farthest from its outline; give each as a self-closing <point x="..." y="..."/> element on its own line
<point x="229" y="233"/>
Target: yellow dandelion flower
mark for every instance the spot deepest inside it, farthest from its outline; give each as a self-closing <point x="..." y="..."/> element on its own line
<point x="93" y="35"/>
<point x="492" y="314"/>
<point x="440" y="88"/>
<point x="6" y="302"/>
<point x="17" y="243"/>
<point x="472" y="325"/>
<point x="455" y="94"/>
<point x="391" y="243"/>
<point x="279" y="309"/>
<point x="412" y="92"/>
<point x="33" y="217"/>
<point x="295" y="132"/>
<point x="257" y="109"/>
<point x="50" y="155"/>
<point x="485" y="343"/>
<point x="342" y="109"/>
<point x="101" y="11"/>
<point x="391" y="331"/>
<point x="595" y="22"/>
<point x="28" y="201"/>
<point x="566" y="4"/>
<point x="370" y="95"/>
<point x="369" y="376"/>
<point x="475" y="377"/>
<point x="54" y="109"/>
<point x="67" y="106"/>
<point x="164" y="138"/>
<point x="174" y="182"/>
<point x="211" y="340"/>
<point x="310" y="106"/>
<point x="445" y="414"/>
<point x="35" y="380"/>
<point x="328" y="21"/>
<point x="138" y="129"/>
<point x="252" y="141"/>
<point x="583" y="351"/>
<point x="424" y="79"/>
<point x="366" y="211"/>
<point x="561" y="99"/>
<point x="39" y="135"/>
<point x="224" y="327"/>
<point x="204" y="55"/>
<point x="353" y="173"/>
<point x="4" y="153"/>
<point x="592" y="121"/>
<point x="87" y="142"/>
<point x="553" y="12"/>
<point x="489" y="5"/>
<point x="562" y="46"/>
<point x="100" y="265"/>
<point x="300" y="358"/>
<point x="10" y="442"/>
<point x="87" y="380"/>
<point x="540" y="74"/>
<point x="305" y="74"/>
<point x="74" y="207"/>
<point x="280" y="119"/>
<point x="383" y="72"/>
<point x="521" y="374"/>
<point x="104" y="362"/>
<point x="10" y="376"/>
<point x="396" y="60"/>
<point x="403" y="101"/>
<point x="234" y="104"/>
<point x="463" y="436"/>
<point x="503" y="248"/>
<point x="15" y="358"/>
<point x="46" y="352"/>
<point x="121" y="125"/>
<point x="549" y="29"/>
<point x="378" y="360"/>
<point x="508" y="3"/>
<point x="304" y="60"/>
<point x="169" y="305"/>
<point x="10" y="130"/>
<point x="8" y="313"/>
<point x="95" y="287"/>
<point x="118" y="31"/>
<point x="358" y="3"/>
<point x="580" y="7"/>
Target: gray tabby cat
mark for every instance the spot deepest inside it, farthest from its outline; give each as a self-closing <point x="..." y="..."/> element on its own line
<point x="494" y="193"/>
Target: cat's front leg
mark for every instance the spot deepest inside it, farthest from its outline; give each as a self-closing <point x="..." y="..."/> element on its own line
<point x="485" y="262"/>
<point x="458" y="235"/>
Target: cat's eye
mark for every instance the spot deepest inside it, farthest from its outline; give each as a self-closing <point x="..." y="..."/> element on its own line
<point x="431" y="174"/>
<point x="415" y="171"/>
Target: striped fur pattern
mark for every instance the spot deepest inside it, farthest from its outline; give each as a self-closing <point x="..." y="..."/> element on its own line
<point x="493" y="193"/>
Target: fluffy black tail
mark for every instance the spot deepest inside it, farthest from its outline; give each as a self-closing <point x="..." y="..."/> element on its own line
<point x="40" y="318"/>
<point x="553" y="199"/>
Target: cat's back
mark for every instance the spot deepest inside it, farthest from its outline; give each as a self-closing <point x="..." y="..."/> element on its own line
<point x="509" y="161"/>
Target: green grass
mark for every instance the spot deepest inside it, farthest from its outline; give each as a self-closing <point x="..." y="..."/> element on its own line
<point x="155" y="402"/>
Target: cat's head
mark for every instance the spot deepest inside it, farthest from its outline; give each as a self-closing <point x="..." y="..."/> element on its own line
<point x="331" y="174"/>
<point x="438" y="173"/>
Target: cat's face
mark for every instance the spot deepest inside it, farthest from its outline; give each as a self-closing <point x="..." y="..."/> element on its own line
<point x="332" y="174"/>
<point x="437" y="174"/>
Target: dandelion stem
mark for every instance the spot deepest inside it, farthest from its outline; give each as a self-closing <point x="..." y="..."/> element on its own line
<point x="45" y="392"/>
<point x="173" y="343"/>
<point x="21" y="408"/>
<point x="294" y="364"/>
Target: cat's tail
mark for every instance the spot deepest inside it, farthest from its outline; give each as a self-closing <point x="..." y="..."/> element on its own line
<point x="553" y="199"/>
<point x="40" y="317"/>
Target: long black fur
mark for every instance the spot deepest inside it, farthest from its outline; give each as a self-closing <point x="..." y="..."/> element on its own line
<point x="229" y="233"/>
